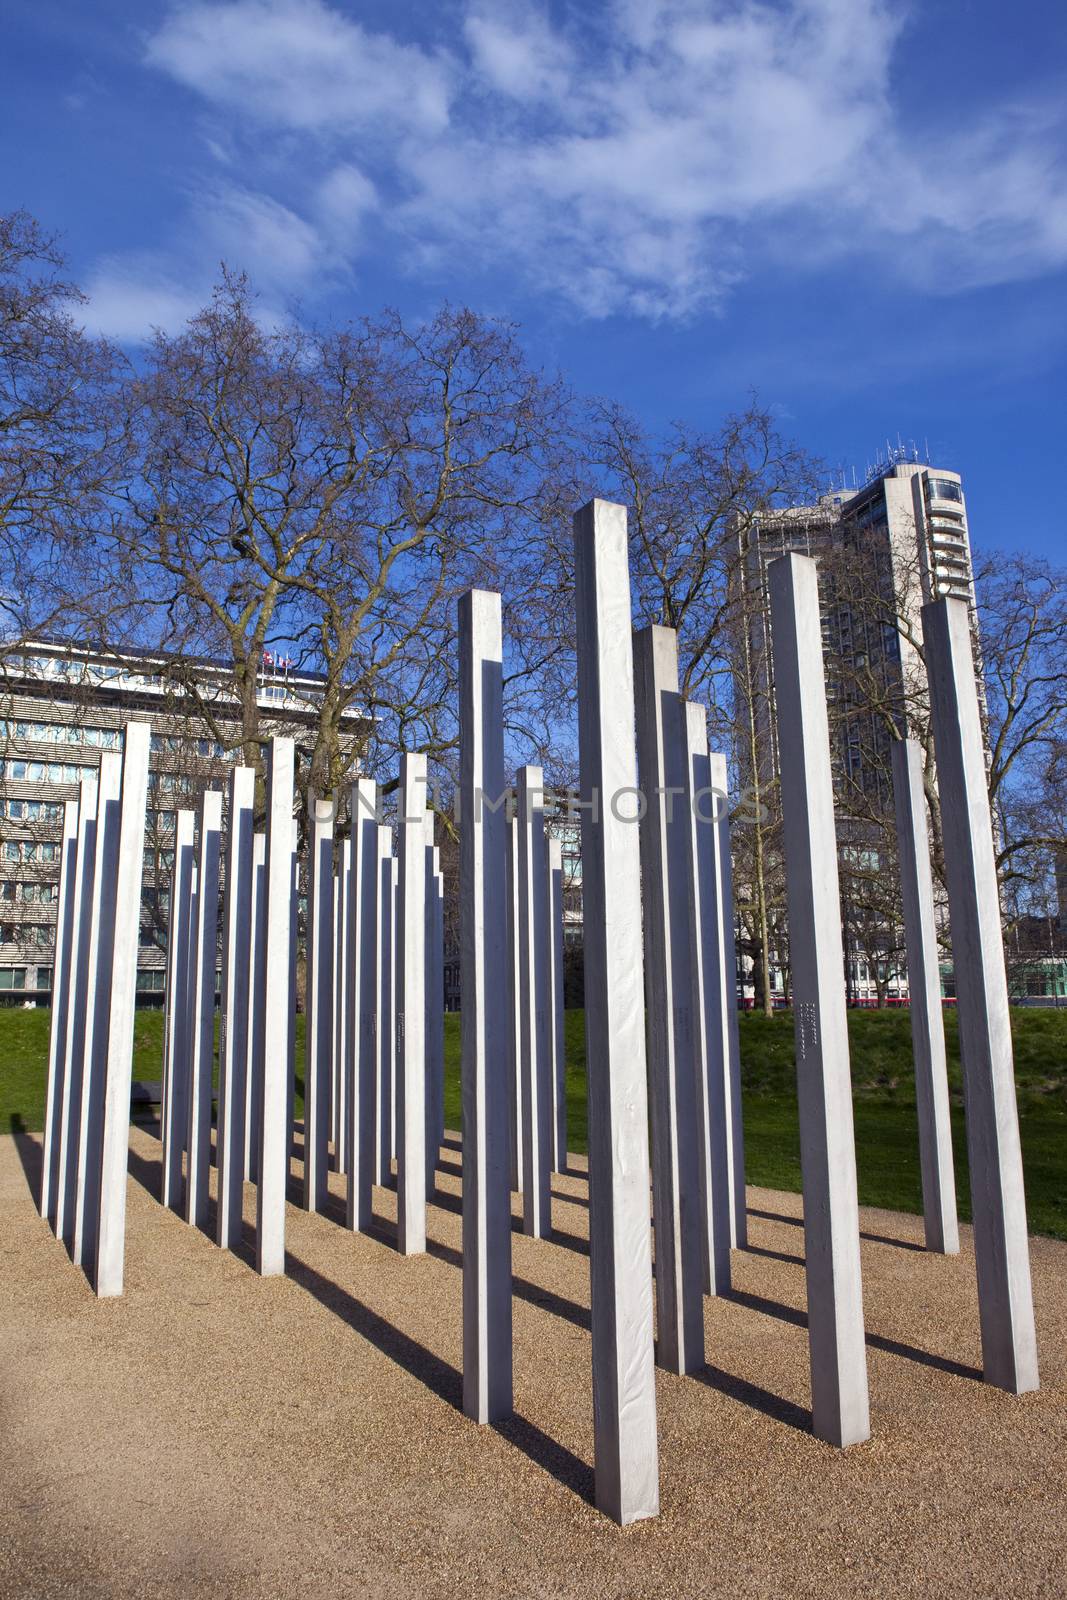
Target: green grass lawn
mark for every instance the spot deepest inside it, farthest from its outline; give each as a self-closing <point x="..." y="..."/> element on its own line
<point x="883" y="1097"/>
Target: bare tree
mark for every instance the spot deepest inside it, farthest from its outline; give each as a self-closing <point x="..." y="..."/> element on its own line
<point x="59" y="438"/>
<point x="329" y="495"/>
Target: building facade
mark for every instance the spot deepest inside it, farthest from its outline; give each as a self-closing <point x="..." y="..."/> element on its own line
<point x="883" y="551"/>
<point x="61" y="706"/>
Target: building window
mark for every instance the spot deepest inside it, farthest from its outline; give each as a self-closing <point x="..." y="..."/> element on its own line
<point x="945" y="489"/>
<point x="12" y="977"/>
<point x="150" y="980"/>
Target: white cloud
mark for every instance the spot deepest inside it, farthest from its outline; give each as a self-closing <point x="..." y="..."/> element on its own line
<point x="129" y="298"/>
<point x="343" y="201"/>
<point x="300" y="63"/>
<point x="515" y="52"/>
<point x="253" y="231"/>
<point x="639" y="158"/>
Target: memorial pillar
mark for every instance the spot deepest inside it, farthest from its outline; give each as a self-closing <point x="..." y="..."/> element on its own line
<point x="342" y="889"/>
<point x="731" y="1044"/>
<point x="110" y="1230"/>
<point x="664" y="833"/>
<point x="514" y="986"/>
<point x="61" y="997"/>
<point x="174" y="1118"/>
<point x="74" y="1052"/>
<point x="557" y="1035"/>
<point x="620" y="1247"/>
<point x="411" y="1008"/>
<point x="839" y="1400"/>
<point x="97" y="1009"/>
<point x="484" y="1020"/>
<point x="924" y="996"/>
<point x="318" y="1004"/>
<point x="233" y="1016"/>
<point x="273" y="1001"/>
<point x="534" y="1046"/>
<point x="713" y="1136"/>
<point x="383" y="1098"/>
<point x="257" y="956"/>
<point x="998" y="1203"/>
<point x="202" y="1010"/>
<point x="363" y="934"/>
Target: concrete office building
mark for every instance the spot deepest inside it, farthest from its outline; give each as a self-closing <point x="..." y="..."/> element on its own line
<point x="884" y="550"/>
<point x="60" y="706"/>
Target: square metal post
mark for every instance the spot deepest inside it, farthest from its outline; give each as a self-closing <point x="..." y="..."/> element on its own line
<point x="998" y="1203"/>
<point x="708" y="1003"/>
<point x="174" y="1117"/>
<point x="411" y="1008"/>
<point x="61" y="998"/>
<point x="273" y="1003"/>
<point x="665" y="879"/>
<point x="924" y="995"/>
<point x="620" y="1244"/>
<point x="839" y="1398"/>
<point x="319" y="1012"/>
<point x="484" y="1020"/>
<point x="202" y="1010"/>
<point x="118" y="1059"/>
<point x="556" y="1020"/>
<point x="233" y="1017"/>
<point x="364" y="924"/>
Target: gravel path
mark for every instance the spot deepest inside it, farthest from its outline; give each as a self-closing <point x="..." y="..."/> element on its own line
<point x="215" y="1434"/>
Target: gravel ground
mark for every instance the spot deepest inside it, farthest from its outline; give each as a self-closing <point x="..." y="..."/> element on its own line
<point x="215" y="1434"/>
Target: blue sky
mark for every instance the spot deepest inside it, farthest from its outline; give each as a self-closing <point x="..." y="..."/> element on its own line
<point x="857" y="209"/>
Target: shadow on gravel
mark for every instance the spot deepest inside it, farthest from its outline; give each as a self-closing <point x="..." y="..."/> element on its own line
<point x="773" y="1255"/>
<point x="750" y="1394"/>
<point x="876" y="1341"/>
<point x="532" y="1293"/>
<point x="31" y="1155"/>
<point x="438" y="1376"/>
<point x="871" y="1238"/>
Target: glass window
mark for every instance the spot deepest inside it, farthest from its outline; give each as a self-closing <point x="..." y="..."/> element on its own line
<point x="12" y="977"/>
<point x="945" y="489"/>
<point x="44" y="977"/>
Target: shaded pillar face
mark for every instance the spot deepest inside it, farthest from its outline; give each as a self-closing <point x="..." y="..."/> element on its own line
<point x="840" y="1411"/>
<point x="731" y="1043"/>
<point x="257" y="956"/>
<point x="998" y="1204"/>
<point x="341" y="1072"/>
<point x="74" y="1053"/>
<point x="233" y="1020"/>
<point x="202" y="1009"/>
<point x="364" y="931"/>
<point x="434" y="1001"/>
<point x="484" y="1018"/>
<point x="118" y="1066"/>
<point x="383" y="1114"/>
<point x="557" y="1037"/>
<point x="173" y="1115"/>
<point x="273" y="1001"/>
<point x="924" y="992"/>
<point x="624" y="1390"/>
<point x="533" y="995"/>
<point x="319" y="1024"/>
<point x="665" y="875"/>
<point x="514" y="986"/>
<point x="711" y="1063"/>
<point x="61" y="994"/>
<point x="411" y="1008"/>
<point x="97" y="1010"/>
